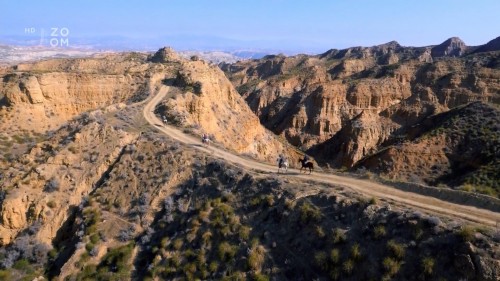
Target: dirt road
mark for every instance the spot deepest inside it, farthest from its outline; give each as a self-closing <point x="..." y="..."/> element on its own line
<point x="365" y="187"/>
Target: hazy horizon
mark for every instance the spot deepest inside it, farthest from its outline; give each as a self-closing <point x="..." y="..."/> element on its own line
<point x="276" y="25"/>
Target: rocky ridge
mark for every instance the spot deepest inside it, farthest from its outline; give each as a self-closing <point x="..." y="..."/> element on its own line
<point x="344" y="105"/>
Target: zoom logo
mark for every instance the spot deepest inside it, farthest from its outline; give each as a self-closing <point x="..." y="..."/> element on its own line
<point x="57" y="36"/>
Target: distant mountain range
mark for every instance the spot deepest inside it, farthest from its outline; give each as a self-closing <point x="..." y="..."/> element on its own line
<point x="29" y="48"/>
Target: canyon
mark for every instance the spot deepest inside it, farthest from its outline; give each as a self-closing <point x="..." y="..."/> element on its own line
<point x="358" y="108"/>
<point x="96" y="185"/>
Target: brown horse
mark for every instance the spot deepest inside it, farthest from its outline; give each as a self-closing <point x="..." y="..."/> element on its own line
<point x="306" y="164"/>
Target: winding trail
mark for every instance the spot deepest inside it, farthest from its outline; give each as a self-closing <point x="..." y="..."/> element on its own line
<point x="365" y="187"/>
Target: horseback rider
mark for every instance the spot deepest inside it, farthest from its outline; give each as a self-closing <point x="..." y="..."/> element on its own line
<point x="205" y="138"/>
<point x="281" y="159"/>
<point x="306" y="158"/>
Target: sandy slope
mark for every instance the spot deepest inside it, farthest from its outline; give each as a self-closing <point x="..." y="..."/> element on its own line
<point x="365" y="187"/>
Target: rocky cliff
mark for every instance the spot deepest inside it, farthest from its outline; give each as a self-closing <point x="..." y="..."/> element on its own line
<point x="53" y="91"/>
<point x="345" y="105"/>
<point x="205" y="101"/>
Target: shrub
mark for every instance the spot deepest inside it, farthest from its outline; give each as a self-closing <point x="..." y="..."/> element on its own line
<point x="309" y="213"/>
<point x="206" y="237"/>
<point x="338" y="236"/>
<point x="355" y="252"/>
<point x="23" y="265"/>
<point x="190" y="269"/>
<point x="256" y="257"/>
<point x="320" y="232"/>
<point x="335" y="256"/>
<point x="373" y="201"/>
<point x="260" y="277"/>
<point x="73" y="149"/>
<point x="89" y="247"/>
<point x="178" y="244"/>
<point x="126" y="234"/>
<point x="417" y="232"/>
<point x="52" y="185"/>
<point x="256" y="201"/>
<point x="379" y="232"/>
<point x="396" y="249"/>
<point x="201" y="258"/>
<point x="51" y="204"/>
<point x="289" y="204"/>
<point x="321" y="260"/>
<point x="391" y="266"/>
<point x="213" y="266"/>
<point x="269" y="199"/>
<point x="117" y="259"/>
<point x="5" y="275"/>
<point x="94" y="238"/>
<point x="428" y="265"/>
<point x="175" y="259"/>
<point x="226" y="251"/>
<point x="334" y="273"/>
<point x="466" y="233"/>
<point x="244" y="232"/>
<point x="348" y="266"/>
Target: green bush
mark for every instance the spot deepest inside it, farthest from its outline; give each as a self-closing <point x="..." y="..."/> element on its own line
<point x="391" y="266"/>
<point x="338" y="236"/>
<point x="335" y="256"/>
<point x="24" y="266"/>
<point x="89" y="246"/>
<point x="213" y="266"/>
<point x="94" y="238"/>
<point x="418" y="232"/>
<point x="397" y="250"/>
<point x="51" y="204"/>
<point x="260" y="277"/>
<point x="428" y="265"/>
<point x="320" y="232"/>
<point x="379" y="232"/>
<point x="356" y="252"/>
<point x="309" y="213"/>
<point x="256" y="257"/>
<point x="348" y="266"/>
<point x="321" y="260"/>
<point x="117" y="259"/>
<point x="244" y="232"/>
<point x="226" y="251"/>
<point x="178" y="244"/>
<point x="466" y="233"/>
<point x="5" y="275"/>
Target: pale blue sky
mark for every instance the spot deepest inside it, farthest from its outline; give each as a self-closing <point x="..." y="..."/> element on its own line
<point x="299" y="25"/>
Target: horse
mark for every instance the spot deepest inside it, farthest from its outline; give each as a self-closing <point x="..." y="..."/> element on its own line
<point x="206" y="141"/>
<point x="283" y="164"/>
<point x="306" y="164"/>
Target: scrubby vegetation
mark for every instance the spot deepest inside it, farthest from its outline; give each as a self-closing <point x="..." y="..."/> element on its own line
<point x="162" y="212"/>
